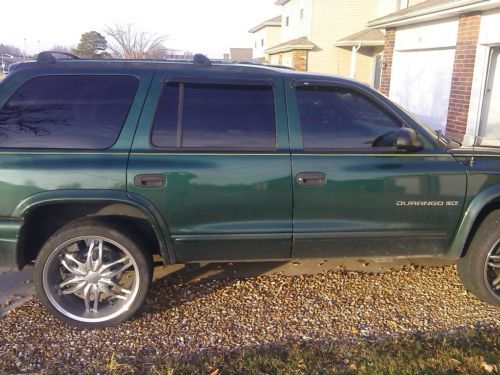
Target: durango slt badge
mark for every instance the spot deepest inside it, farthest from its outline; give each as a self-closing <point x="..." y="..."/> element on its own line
<point x="427" y="203"/>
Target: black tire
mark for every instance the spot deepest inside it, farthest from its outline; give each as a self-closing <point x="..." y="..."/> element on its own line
<point x="52" y="253"/>
<point x="473" y="270"/>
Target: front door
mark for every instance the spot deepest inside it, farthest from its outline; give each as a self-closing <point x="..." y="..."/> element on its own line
<point x="354" y="193"/>
<point x="490" y="121"/>
<point x="212" y="154"/>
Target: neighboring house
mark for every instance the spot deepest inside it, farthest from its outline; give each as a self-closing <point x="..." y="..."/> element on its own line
<point x="442" y="63"/>
<point x="241" y="54"/>
<point x="325" y="36"/>
<point x="265" y="35"/>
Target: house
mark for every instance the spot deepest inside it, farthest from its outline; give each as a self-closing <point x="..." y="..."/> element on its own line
<point x="265" y="35"/>
<point x="240" y="54"/>
<point x="325" y="36"/>
<point x="441" y="62"/>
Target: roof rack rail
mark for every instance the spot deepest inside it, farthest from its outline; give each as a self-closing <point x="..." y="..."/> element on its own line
<point x="50" y="57"/>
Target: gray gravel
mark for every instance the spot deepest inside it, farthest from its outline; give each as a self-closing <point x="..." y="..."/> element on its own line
<point x="191" y="317"/>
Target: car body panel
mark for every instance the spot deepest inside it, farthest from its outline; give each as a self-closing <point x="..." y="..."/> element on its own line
<point x="219" y="205"/>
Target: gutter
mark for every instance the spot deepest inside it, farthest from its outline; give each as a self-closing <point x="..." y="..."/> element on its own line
<point x="364" y="43"/>
<point x="288" y="48"/>
<point x="436" y="11"/>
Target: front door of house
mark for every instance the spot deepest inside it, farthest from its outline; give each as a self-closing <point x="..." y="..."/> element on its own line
<point x="490" y="121"/>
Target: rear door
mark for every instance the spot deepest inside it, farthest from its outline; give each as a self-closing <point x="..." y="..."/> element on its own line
<point x="354" y="193"/>
<point x="212" y="154"/>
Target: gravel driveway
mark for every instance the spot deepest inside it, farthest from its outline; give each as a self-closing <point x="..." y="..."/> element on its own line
<point x="191" y="316"/>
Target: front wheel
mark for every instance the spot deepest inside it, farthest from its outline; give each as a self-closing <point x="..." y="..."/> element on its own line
<point x="479" y="269"/>
<point x="91" y="275"/>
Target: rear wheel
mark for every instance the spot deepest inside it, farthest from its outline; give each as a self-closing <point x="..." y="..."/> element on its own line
<point x="479" y="269"/>
<point x="92" y="275"/>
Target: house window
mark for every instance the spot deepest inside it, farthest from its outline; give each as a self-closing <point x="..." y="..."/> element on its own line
<point x="287" y="21"/>
<point x="402" y="4"/>
<point x="301" y="14"/>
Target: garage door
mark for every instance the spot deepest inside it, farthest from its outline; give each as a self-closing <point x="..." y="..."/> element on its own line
<point x="421" y="83"/>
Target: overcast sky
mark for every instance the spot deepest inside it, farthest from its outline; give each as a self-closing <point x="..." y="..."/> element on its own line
<point x="206" y="26"/>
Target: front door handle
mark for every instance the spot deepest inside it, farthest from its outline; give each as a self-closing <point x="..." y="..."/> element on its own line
<point x="311" y="178"/>
<point x="150" y="180"/>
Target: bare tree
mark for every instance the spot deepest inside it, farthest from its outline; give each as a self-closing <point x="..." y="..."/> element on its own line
<point x="128" y="42"/>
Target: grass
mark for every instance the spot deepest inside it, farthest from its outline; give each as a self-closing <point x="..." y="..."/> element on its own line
<point x="472" y="352"/>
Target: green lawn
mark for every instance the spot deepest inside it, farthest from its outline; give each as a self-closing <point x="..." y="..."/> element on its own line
<point x="473" y="352"/>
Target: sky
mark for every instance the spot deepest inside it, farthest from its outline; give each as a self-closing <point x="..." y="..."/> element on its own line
<point x="200" y="26"/>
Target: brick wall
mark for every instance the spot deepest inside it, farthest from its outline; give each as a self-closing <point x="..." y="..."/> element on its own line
<point x="299" y="59"/>
<point x="463" y="72"/>
<point x="385" y="82"/>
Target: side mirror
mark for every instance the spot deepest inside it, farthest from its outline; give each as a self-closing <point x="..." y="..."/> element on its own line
<point x="408" y="140"/>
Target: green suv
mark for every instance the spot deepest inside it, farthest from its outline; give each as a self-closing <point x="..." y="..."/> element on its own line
<point x="104" y="164"/>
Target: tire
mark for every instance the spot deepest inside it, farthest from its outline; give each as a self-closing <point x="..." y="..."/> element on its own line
<point x="479" y="269"/>
<point x="117" y="273"/>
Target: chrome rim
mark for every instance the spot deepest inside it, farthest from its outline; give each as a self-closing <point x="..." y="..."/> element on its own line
<point x="91" y="279"/>
<point x="492" y="270"/>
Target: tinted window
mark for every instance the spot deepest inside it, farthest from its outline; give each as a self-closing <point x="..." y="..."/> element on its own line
<point x="165" y="128"/>
<point x="216" y="116"/>
<point x="83" y="112"/>
<point x="333" y="118"/>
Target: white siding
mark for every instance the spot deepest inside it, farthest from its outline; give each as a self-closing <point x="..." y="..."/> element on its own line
<point x="332" y="21"/>
<point x="265" y="38"/>
<point x="437" y="34"/>
<point x="385" y="7"/>
<point x="297" y="27"/>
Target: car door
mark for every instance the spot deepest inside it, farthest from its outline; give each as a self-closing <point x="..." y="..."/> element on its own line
<point x="355" y="194"/>
<point x="212" y="154"/>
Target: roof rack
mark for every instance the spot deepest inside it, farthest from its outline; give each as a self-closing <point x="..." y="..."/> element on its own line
<point x="50" y="57"/>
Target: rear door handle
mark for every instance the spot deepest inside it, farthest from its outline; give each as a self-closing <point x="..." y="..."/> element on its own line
<point x="311" y="178"/>
<point x="150" y="180"/>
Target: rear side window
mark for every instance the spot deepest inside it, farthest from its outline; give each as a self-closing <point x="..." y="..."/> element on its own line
<point x="67" y="112"/>
<point x="215" y="116"/>
<point x="338" y="118"/>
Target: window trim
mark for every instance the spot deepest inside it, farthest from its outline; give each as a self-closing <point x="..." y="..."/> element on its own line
<point x="181" y="80"/>
<point x="376" y="100"/>
<point x="76" y="149"/>
<point x="342" y="149"/>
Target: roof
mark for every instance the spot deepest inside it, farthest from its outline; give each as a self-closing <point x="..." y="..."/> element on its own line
<point x="241" y="53"/>
<point x="366" y="38"/>
<point x="272" y="22"/>
<point x="300" y="43"/>
<point x="431" y="9"/>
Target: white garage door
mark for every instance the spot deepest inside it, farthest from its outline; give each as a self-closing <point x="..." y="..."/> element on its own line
<point x="421" y="83"/>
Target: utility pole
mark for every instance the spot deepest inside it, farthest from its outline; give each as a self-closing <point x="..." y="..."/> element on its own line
<point x="24" y="50"/>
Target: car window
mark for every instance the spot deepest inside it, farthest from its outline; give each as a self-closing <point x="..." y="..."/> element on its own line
<point x="75" y="112"/>
<point x="338" y="118"/>
<point x="216" y="116"/>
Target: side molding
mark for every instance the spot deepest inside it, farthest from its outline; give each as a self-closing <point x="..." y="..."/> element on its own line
<point x="478" y="203"/>
<point x="97" y="196"/>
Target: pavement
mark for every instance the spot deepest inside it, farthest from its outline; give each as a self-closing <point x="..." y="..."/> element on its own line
<point x="16" y="287"/>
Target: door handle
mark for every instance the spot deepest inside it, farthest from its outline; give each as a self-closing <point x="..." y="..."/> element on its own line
<point x="311" y="178"/>
<point x="150" y="180"/>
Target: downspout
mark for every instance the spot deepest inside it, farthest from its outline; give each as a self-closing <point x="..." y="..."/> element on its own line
<point x="355" y="50"/>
